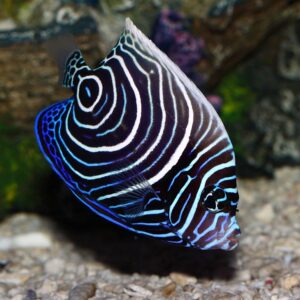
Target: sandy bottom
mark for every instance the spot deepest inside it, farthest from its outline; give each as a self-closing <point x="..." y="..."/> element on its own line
<point x="44" y="259"/>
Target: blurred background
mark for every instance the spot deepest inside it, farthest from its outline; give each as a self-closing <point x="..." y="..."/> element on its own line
<point x="244" y="56"/>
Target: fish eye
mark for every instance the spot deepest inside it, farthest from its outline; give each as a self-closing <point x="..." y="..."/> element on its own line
<point x="210" y="201"/>
<point x="214" y="199"/>
<point x="89" y="91"/>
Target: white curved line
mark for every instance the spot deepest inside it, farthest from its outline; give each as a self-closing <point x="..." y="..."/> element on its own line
<point x="132" y="134"/>
<point x="82" y="107"/>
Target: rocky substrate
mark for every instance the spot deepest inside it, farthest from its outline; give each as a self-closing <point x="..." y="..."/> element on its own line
<point x="46" y="259"/>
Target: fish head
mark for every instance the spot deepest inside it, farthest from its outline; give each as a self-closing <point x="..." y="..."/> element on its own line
<point x="215" y="225"/>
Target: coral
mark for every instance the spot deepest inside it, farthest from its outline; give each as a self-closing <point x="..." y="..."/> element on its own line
<point x="171" y="35"/>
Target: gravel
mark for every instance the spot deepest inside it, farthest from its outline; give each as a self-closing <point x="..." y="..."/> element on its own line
<point x="100" y="261"/>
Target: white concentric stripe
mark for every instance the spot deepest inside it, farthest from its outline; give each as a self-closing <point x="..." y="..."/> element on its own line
<point x="112" y="108"/>
<point x="132" y="134"/>
<point x="201" y="109"/>
<point x="81" y="79"/>
<point x="146" y="74"/>
<point x="175" y="117"/>
<point x="207" y="130"/>
<point x="181" y="147"/>
<point x="115" y="94"/>
<point x="178" y="152"/>
<point x="211" y="172"/>
<point x="151" y="48"/>
<point x="120" y="121"/>
<point x="99" y="176"/>
<point x="199" y="155"/>
<point x="148" y="129"/>
<point x="175" y="156"/>
<point x="104" y="174"/>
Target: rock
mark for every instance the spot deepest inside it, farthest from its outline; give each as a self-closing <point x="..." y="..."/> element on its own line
<point x="83" y="291"/>
<point x="169" y="289"/>
<point x="25" y="223"/>
<point x="244" y="275"/>
<point x="266" y="213"/>
<point x="269" y="255"/>
<point x="39" y="12"/>
<point x="30" y="295"/>
<point x="7" y="24"/>
<point x="111" y="288"/>
<point x="14" y="279"/>
<point x="270" y="118"/>
<point x="15" y="291"/>
<point x="55" y="266"/>
<point x="18" y="297"/>
<point x="3" y="289"/>
<point x="134" y="290"/>
<point x="47" y="287"/>
<point x="296" y="292"/>
<point x="290" y="281"/>
<point x="182" y="279"/>
<point x="23" y="241"/>
<point x="3" y="264"/>
<point x="269" y="283"/>
<point x="81" y="271"/>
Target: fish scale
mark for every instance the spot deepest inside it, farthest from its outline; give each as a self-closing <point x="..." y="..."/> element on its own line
<point x="140" y="145"/>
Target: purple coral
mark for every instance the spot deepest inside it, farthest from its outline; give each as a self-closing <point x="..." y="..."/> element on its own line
<point x="167" y="24"/>
<point x="170" y="34"/>
<point x="186" y="51"/>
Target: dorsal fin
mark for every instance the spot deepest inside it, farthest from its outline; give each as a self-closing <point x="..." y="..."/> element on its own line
<point x="154" y="52"/>
<point x="74" y="64"/>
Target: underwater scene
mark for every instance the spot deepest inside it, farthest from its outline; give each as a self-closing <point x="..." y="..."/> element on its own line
<point x="149" y="149"/>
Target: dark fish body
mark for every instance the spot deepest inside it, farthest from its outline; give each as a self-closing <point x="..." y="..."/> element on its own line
<point x="140" y="145"/>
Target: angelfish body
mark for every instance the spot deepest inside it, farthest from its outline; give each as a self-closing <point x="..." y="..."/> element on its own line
<point x="140" y="145"/>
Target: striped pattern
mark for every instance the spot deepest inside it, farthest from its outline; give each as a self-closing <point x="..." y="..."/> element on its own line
<point x="140" y="145"/>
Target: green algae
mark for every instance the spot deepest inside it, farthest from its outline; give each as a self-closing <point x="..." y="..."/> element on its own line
<point x="21" y="167"/>
<point x="238" y="97"/>
<point x="11" y="8"/>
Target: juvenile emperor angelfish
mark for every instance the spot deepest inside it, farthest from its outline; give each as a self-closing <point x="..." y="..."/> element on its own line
<point x="140" y="145"/>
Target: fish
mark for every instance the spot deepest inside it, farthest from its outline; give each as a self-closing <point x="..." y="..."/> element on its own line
<point x="141" y="146"/>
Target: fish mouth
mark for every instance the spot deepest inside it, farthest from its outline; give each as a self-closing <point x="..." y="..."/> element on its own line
<point x="232" y="241"/>
<point x="226" y="242"/>
<point x="224" y="235"/>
